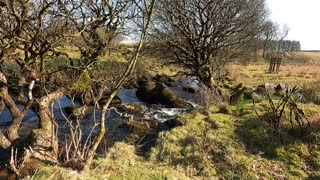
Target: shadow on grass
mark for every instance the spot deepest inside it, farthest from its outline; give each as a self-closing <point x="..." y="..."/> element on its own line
<point x="261" y="140"/>
<point x="297" y="156"/>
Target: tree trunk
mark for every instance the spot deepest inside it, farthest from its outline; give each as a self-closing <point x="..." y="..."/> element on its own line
<point x="4" y="142"/>
<point x="21" y="84"/>
<point x="14" y="127"/>
<point x="11" y="105"/>
<point x="205" y="76"/>
<point x="17" y="115"/>
<point x="43" y="141"/>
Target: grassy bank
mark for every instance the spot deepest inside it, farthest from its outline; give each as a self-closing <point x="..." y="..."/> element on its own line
<point x="235" y="145"/>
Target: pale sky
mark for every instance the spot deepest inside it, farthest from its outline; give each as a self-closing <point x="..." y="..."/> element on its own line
<point x="303" y="19"/>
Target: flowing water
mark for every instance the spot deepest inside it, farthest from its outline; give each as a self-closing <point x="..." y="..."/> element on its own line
<point x="114" y="122"/>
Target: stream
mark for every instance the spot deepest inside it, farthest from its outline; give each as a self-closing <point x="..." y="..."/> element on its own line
<point x="114" y="122"/>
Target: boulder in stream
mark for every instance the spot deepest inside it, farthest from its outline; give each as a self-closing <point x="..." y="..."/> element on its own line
<point x="132" y="108"/>
<point x="155" y="92"/>
<point x="78" y="112"/>
<point x="163" y="79"/>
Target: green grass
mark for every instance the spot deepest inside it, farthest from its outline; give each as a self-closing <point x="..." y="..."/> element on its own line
<point x="120" y="163"/>
<point x="232" y="146"/>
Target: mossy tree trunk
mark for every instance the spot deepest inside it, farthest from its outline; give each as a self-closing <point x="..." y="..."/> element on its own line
<point x="204" y="74"/>
<point x="44" y="140"/>
<point x="17" y="115"/>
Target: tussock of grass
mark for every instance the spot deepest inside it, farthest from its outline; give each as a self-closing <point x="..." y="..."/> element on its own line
<point x="223" y="108"/>
<point x="311" y="92"/>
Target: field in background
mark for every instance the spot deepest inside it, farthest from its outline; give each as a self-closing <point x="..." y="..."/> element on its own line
<point x="312" y="54"/>
<point x="293" y="72"/>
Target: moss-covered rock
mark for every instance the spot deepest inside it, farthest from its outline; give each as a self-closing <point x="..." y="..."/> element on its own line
<point x="248" y="93"/>
<point x="131" y="108"/>
<point x="77" y="111"/>
<point x="261" y="89"/>
<point x="181" y="103"/>
<point x="237" y="94"/>
<point x="167" y="80"/>
<point x="139" y="127"/>
<point x="154" y="92"/>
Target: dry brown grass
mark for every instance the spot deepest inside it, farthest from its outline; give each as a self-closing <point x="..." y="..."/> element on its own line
<point x="290" y="73"/>
<point x="301" y="70"/>
<point x="304" y="57"/>
<point x="313" y="55"/>
<point x="311" y="92"/>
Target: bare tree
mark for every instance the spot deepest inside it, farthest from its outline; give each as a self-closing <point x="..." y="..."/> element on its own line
<point x="273" y="35"/>
<point x="274" y="45"/>
<point x="197" y="32"/>
<point x="268" y="34"/>
<point x="33" y="33"/>
<point x="95" y="24"/>
<point x="29" y="33"/>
